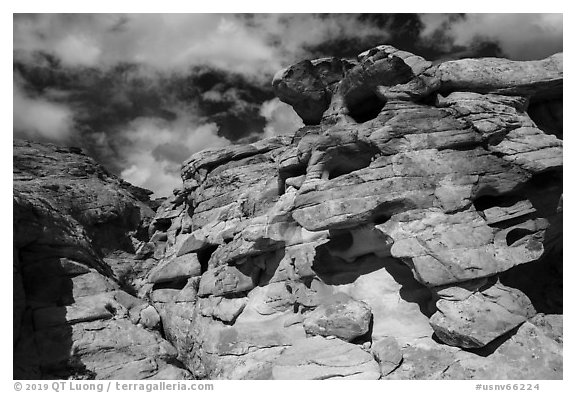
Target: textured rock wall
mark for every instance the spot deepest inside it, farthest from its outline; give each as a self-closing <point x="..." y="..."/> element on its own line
<point x="384" y="239"/>
<point x="75" y="230"/>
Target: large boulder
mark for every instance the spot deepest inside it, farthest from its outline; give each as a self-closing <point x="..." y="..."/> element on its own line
<point x="342" y="317"/>
<point x="473" y="317"/>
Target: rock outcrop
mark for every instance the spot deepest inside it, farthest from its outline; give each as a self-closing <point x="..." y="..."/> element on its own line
<point x="412" y="229"/>
<point x="76" y="230"/>
<point x="394" y="219"/>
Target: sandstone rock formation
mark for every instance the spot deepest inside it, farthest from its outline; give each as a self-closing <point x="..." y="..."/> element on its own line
<point x="412" y="188"/>
<point x="412" y="229"/>
<point x="76" y="228"/>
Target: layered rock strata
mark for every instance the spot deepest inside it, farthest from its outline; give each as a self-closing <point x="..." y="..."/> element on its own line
<point x="396" y="223"/>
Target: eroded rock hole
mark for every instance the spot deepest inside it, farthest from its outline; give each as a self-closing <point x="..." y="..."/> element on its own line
<point x="380" y="218"/>
<point x="344" y="165"/>
<point x="516" y="234"/>
<point x="340" y="241"/>
<point x="384" y="211"/>
<point x="488" y="201"/>
<point x="365" y="108"/>
<point x="343" y="161"/>
<point x="162" y="225"/>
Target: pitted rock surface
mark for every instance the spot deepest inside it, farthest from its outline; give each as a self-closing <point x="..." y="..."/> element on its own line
<point x="412" y="188"/>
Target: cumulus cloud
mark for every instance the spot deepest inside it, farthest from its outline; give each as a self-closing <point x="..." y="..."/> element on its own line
<point x="155" y="148"/>
<point x="280" y="118"/>
<point x="519" y="36"/>
<point x="160" y="176"/>
<point x="38" y="118"/>
<point x="251" y="45"/>
<point x="74" y="39"/>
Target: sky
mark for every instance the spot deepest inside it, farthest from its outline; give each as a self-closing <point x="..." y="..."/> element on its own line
<point x="142" y="92"/>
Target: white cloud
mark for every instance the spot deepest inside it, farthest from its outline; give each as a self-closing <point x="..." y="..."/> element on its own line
<point x="147" y="172"/>
<point x="77" y="50"/>
<point x="74" y="39"/>
<point x="280" y="118"/>
<point x="253" y="45"/>
<point x="520" y="36"/>
<point x="38" y="117"/>
<point x="155" y="148"/>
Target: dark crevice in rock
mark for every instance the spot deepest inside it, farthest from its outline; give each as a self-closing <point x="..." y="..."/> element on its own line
<point x="547" y="114"/>
<point x="287" y="173"/>
<point x="463" y="146"/>
<point x="488" y="201"/>
<point x="162" y="225"/>
<point x="204" y="255"/>
<point x="544" y="191"/>
<point x="164" y="334"/>
<point x="340" y="240"/>
<point x="380" y="218"/>
<point x="175" y="284"/>
<point x="541" y="281"/>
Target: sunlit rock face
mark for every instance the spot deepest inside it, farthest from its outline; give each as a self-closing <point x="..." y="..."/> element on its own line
<point x="412" y="229"/>
<point x="397" y="223"/>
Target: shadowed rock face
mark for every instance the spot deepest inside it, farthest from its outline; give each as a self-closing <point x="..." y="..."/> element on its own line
<point x="76" y="228"/>
<point x="394" y="219"/>
<point x="411" y="230"/>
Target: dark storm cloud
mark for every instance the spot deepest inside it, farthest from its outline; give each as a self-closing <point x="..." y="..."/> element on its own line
<point x="141" y="92"/>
